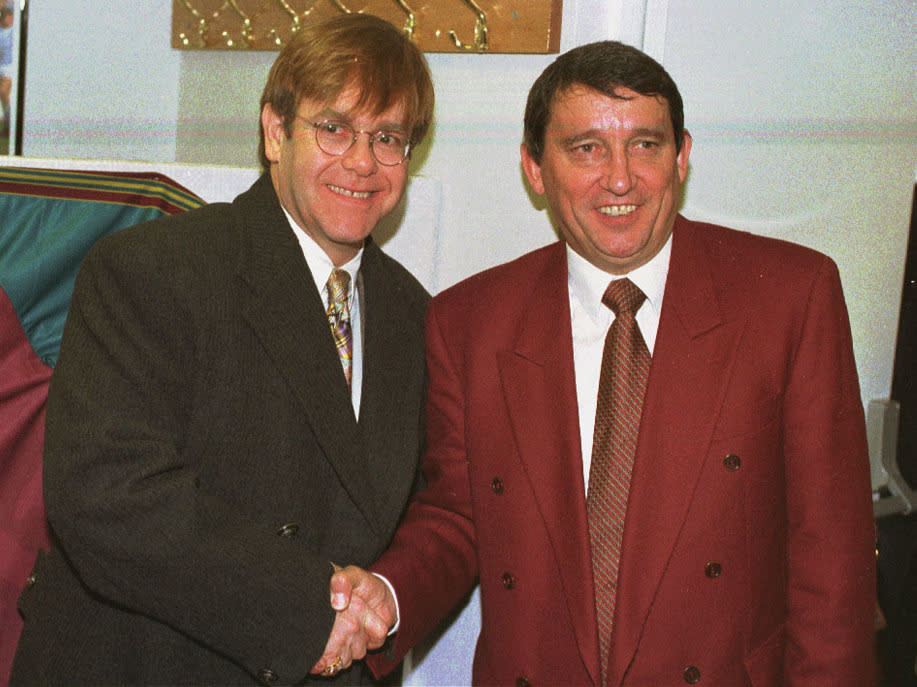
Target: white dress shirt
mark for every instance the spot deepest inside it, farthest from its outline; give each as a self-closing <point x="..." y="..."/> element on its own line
<point x="590" y="320"/>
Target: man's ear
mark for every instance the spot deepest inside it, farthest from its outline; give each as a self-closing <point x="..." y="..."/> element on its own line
<point x="274" y="132"/>
<point x="683" y="154"/>
<point x="532" y="170"/>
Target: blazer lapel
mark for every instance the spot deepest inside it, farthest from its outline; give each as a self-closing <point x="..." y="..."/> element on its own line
<point x="389" y="363"/>
<point x="285" y="310"/>
<point x="540" y="391"/>
<point x="692" y="361"/>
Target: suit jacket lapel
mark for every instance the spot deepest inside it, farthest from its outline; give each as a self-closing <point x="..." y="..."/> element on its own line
<point x="540" y="391"/>
<point x="388" y="363"/>
<point x="285" y="310"/>
<point x="692" y="361"/>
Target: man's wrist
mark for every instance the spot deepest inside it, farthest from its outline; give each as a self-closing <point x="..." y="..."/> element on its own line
<point x="391" y="590"/>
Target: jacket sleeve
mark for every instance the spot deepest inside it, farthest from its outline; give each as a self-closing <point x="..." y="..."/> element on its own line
<point x="432" y="561"/>
<point x="831" y="533"/>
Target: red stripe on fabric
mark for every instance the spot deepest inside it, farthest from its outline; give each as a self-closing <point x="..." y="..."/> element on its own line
<point x="67" y="193"/>
<point x="88" y="173"/>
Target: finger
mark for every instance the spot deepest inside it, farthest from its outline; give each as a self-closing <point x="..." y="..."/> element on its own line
<point x="357" y="648"/>
<point x="341" y="588"/>
<point x="337" y="658"/>
<point x="331" y="667"/>
<point x="375" y="629"/>
<point x="345" y="626"/>
<point x="332" y="649"/>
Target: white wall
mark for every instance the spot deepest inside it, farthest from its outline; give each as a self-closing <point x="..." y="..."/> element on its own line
<point x="101" y="80"/>
<point x="804" y="118"/>
<point x="803" y="115"/>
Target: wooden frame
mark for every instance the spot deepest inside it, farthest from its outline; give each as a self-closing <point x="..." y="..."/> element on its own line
<point x="501" y="26"/>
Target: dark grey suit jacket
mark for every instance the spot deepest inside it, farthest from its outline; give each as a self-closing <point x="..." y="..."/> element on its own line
<point x="203" y="466"/>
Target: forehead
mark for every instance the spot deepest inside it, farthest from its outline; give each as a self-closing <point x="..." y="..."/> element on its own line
<point x="347" y="106"/>
<point x="581" y="108"/>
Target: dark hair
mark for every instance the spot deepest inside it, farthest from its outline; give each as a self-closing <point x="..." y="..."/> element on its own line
<point x="603" y="66"/>
<point x="324" y="58"/>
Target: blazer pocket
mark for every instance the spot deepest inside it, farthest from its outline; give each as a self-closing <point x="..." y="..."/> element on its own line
<point x="764" y="663"/>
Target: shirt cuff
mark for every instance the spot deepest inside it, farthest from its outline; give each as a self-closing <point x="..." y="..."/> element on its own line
<point x="391" y="590"/>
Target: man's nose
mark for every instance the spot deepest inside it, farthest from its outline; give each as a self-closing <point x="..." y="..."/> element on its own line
<point x="359" y="157"/>
<point x="617" y="175"/>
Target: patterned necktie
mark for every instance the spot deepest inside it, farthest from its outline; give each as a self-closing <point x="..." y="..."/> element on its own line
<point x="339" y="317"/>
<point x="622" y="383"/>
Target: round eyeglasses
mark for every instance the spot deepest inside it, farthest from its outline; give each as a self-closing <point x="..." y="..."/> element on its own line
<point x="388" y="148"/>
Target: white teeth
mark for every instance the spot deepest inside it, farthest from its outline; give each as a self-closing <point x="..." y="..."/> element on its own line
<point x="617" y="210"/>
<point x="351" y="194"/>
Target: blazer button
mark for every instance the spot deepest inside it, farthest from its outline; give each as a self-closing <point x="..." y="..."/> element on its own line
<point x="523" y="682"/>
<point x="692" y="675"/>
<point x="713" y="570"/>
<point x="732" y="462"/>
<point x="267" y="676"/>
<point x="509" y="580"/>
<point x="497" y="485"/>
<point x="31" y="580"/>
<point x="291" y="529"/>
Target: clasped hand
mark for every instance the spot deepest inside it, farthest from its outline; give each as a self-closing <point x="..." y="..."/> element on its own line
<point x="365" y="614"/>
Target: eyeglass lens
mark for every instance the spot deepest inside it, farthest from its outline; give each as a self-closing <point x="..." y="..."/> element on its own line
<point x="335" y="138"/>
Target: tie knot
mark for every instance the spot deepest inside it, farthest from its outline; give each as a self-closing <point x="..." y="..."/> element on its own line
<point x="338" y="287"/>
<point x="623" y="296"/>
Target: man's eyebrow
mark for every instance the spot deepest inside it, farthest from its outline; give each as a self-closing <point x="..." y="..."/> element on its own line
<point x="328" y="113"/>
<point x="650" y="131"/>
<point x="579" y="136"/>
<point x="640" y="132"/>
<point x="335" y="115"/>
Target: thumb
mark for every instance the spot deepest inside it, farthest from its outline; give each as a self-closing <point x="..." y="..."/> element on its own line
<point x="341" y="588"/>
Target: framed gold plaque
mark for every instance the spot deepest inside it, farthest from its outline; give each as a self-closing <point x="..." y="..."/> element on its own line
<point x="479" y="26"/>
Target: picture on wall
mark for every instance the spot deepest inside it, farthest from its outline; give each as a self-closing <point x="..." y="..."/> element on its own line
<point x="9" y="72"/>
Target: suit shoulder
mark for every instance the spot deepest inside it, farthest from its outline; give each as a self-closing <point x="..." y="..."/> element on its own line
<point x="184" y="254"/>
<point x="727" y="240"/>
<point x="181" y="234"/>
<point x="374" y="258"/>
<point x="744" y="254"/>
<point x="206" y="231"/>
<point x="515" y="278"/>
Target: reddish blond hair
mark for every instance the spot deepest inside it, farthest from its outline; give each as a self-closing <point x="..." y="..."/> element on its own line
<point x="324" y="58"/>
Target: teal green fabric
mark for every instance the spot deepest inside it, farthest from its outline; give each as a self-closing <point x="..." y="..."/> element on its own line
<point x="43" y="239"/>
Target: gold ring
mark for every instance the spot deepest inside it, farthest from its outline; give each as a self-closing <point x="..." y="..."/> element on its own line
<point x="333" y="668"/>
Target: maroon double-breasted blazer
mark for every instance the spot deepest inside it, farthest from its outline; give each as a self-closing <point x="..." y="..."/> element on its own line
<point x="748" y="552"/>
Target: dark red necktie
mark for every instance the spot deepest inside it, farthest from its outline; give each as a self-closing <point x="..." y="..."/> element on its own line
<point x="622" y="383"/>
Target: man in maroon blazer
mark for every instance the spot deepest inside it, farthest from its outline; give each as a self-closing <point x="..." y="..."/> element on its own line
<point x="747" y="549"/>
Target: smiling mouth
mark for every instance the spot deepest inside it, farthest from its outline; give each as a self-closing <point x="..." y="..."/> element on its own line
<point x="617" y="210"/>
<point x="350" y="194"/>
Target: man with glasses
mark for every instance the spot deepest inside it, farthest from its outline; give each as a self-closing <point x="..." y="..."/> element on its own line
<point x="238" y="399"/>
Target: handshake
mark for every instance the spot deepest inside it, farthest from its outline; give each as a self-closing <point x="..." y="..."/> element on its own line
<point x="366" y="612"/>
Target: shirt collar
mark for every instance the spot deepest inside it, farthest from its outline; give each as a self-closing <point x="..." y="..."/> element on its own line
<point x="320" y="264"/>
<point x="587" y="283"/>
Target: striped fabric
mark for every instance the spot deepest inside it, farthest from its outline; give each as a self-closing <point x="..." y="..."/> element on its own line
<point x="136" y="189"/>
<point x="48" y="221"/>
